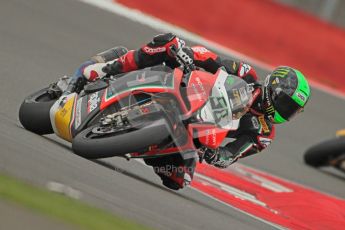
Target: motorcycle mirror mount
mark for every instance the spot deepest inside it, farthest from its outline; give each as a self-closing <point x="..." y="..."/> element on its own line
<point x="95" y="87"/>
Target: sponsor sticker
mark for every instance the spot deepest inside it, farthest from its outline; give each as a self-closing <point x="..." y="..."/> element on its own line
<point x="151" y="50"/>
<point x="78" y="113"/>
<point x="243" y="94"/>
<point x="234" y="65"/>
<point x="264" y="124"/>
<point x="199" y="89"/>
<point x="63" y="102"/>
<point x="281" y="72"/>
<point x="201" y="86"/>
<point x="93" y="102"/>
<point x="255" y="122"/>
<point x="230" y="80"/>
<point x="301" y="96"/>
<point x="199" y="49"/>
<point x="265" y="142"/>
<point x="245" y="68"/>
<point x="141" y="77"/>
<point x="211" y="138"/>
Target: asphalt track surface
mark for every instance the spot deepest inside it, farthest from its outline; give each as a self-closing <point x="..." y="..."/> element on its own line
<point x="41" y="40"/>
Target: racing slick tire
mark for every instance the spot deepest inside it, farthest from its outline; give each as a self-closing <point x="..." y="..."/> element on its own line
<point x="34" y="112"/>
<point x="87" y="145"/>
<point x="322" y="153"/>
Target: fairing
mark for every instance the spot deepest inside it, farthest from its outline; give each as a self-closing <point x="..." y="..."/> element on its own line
<point x="205" y="98"/>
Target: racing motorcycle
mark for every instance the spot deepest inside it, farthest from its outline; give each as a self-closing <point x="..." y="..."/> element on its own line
<point x="146" y="113"/>
<point x="328" y="153"/>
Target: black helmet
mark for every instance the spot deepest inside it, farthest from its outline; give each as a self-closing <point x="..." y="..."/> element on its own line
<point x="286" y="92"/>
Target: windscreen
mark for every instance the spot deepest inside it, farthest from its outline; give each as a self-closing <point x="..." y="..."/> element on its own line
<point x="229" y="101"/>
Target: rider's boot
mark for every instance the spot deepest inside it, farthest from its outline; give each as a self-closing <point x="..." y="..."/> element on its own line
<point x="77" y="81"/>
<point x="178" y="179"/>
<point x="174" y="172"/>
<point x="92" y="69"/>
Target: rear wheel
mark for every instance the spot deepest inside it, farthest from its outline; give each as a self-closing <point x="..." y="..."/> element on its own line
<point x="34" y="112"/>
<point x="322" y="154"/>
<point x="95" y="142"/>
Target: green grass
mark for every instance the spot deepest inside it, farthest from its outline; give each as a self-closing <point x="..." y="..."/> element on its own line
<point x="61" y="207"/>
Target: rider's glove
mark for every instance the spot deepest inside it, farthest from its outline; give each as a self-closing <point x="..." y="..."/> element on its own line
<point x="171" y="43"/>
<point x="220" y="157"/>
<point x="113" y="68"/>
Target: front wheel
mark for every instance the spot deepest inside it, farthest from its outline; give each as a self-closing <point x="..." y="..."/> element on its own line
<point x="34" y="112"/>
<point x="92" y="145"/>
<point x="322" y="154"/>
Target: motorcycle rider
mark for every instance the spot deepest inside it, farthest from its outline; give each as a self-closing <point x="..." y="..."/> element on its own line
<point x="283" y="95"/>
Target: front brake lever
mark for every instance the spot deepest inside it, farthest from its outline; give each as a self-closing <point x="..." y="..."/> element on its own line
<point x="183" y="59"/>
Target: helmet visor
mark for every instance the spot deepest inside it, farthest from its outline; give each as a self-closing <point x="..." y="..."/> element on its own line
<point x="286" y="106"/>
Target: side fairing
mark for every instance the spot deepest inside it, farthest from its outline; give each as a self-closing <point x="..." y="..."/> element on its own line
<point x="71" y="114"/>
<point x="88" y="107"/>
<point x="62" y="114"/>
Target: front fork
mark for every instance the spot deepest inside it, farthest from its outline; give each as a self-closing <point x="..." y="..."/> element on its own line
<point x="201" y="153"/>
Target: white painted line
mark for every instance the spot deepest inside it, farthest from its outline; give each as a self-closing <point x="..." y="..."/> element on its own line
<point x="289" y="181"/>
<point x="226" y="204"/>
<point x="159" y="25"/>
<point x="241" y="211"/>
<point x="230" y="189"/>
<point x="263" y="182"/>
<point x="64" y="189"/>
